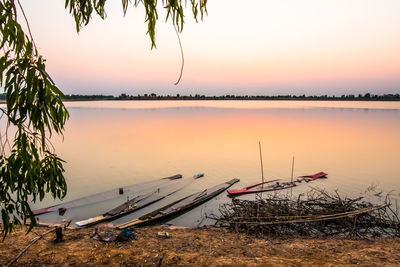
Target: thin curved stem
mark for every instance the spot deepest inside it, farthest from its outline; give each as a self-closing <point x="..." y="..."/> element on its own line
<point x="27" y="23"/>
<point x="183" y="58"/>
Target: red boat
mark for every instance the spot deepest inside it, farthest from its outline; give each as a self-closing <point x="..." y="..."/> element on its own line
<point x="277" y="184"/>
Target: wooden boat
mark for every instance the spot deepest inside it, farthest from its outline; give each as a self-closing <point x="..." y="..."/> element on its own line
<point x="107" y="195"/>
<point x="129" y="206"/>
<point x="198" y="175"/>
<point x="178" y="207"/>
<point x="138" y="202"/>
<point x="277" y="184"/>
<point x="173" y="177"/>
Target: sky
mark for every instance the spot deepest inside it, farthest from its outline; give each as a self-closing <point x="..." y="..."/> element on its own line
<point x="267" y="47"/>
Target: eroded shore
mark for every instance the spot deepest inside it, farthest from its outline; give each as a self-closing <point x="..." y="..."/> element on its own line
<point x="188" y="247"/>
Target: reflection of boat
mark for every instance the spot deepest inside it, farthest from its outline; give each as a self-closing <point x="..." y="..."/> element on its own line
<point x="178" y="207"/>
<point x="129" y="206"/>
<point x="107" y="195"/>
<point x="198" y="175"/>
<point x="277" y="184"/>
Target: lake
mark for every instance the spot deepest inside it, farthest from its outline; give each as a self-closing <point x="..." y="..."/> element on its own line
<point x="110" y="144"/>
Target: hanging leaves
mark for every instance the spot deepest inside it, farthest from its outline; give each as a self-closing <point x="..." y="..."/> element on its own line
<point x="28" y="168"/>
<point x="82" y="10"/>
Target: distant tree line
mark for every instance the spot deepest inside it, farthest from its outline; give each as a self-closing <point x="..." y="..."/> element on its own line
<point x="360" y="97"/>
<point x="89" y="97"/>
<point x="153" y="96"/>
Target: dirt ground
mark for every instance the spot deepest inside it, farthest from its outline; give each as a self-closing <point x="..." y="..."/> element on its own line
<point x="195" y="247"/>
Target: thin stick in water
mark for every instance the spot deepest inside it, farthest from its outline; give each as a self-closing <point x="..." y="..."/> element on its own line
<point x="291" y="180"/>
<point x="262" y="168"/>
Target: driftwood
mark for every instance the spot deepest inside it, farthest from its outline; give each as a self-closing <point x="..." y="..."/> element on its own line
<point x="314" y="214"/>
<point x="57" y="229"/>
<point x="30" y="244"/>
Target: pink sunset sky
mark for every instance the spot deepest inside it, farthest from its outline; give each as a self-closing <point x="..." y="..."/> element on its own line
<point x="241" y="47"/>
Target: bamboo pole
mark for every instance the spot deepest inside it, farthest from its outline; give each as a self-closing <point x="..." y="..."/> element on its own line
<point x="262" y="168"/>
<point x="291" y="180"/>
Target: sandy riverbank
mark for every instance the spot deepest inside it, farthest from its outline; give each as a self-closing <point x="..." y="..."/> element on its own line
<point x="187" y="247"/>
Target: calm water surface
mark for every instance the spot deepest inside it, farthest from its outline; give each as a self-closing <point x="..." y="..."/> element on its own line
<point x="108" y="144"/>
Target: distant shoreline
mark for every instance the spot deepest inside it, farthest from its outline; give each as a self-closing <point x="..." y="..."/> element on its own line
<point x="153" y="97"/>
<point x="178" y="97"/>
<point x="340" y="100"/>
<point x="230" y="98"/>
<point x="255" y="100"/>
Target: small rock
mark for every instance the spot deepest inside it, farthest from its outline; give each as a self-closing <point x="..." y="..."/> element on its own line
<point x="163" y="234"/>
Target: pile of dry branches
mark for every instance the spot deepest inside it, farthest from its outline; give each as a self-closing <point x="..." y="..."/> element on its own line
<point x="314" y="214"/>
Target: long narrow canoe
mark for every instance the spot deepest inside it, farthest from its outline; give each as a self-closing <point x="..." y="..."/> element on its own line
<point x="129" y="206"/>
<point x="277" y="184"/>
<point x="107" y="195"/>
<point x="178" y="207"/>
<point x="198" y="175"/>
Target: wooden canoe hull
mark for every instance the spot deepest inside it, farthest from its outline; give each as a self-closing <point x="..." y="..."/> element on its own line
<point x="135" y="204"/>
<point x="104" y="195"/>
<point x="178" y="207"/>
<point x="269" y="188"/>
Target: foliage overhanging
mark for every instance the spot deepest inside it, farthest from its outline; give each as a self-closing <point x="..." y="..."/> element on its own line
<point x="29" y="166"/>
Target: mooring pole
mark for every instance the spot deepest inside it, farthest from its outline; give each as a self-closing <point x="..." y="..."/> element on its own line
<point x="262" y="168"/>
<point x="291" y="180"/>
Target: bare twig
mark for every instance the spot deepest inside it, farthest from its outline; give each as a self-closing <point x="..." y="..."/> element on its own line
<point x="30" y="244"/>
<point x="317" y="214"/>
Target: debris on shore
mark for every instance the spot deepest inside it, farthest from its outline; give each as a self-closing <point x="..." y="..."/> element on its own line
<point x="194" y="247"/>
<point x="314" y="214"/>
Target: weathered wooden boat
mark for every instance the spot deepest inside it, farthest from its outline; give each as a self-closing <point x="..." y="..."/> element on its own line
<point x="178" y="207"/>
<point x="173" y="177"/>
<point x="198" y="175"/>
<point x="129" y="206"/>
<point x="276" y="184"/>
<point x="107" y="195"/>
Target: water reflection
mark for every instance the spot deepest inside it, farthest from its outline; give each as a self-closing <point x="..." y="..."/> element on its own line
<point x="114" y="143"/>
